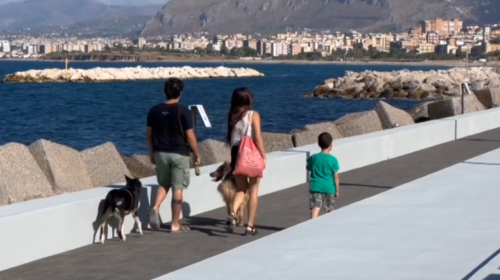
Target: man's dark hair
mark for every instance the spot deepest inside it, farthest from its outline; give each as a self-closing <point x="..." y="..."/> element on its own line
<point x="173" y="88"/>
<point x="325" y="139"/>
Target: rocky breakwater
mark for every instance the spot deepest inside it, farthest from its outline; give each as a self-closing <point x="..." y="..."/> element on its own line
<point x="405" y="84"/>
<point x="127" y="74"/>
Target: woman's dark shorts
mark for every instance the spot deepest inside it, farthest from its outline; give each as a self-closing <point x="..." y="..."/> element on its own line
<point x="234" y="156"/>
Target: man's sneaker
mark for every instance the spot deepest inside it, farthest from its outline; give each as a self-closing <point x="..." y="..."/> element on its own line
<point x="154" y="219"/>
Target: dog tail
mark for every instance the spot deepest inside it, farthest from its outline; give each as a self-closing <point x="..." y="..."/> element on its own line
<point x="111" y="203"/>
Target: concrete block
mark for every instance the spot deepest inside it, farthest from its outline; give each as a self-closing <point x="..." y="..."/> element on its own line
<point x="276" y="141"/>
<point x="140" y="166"/>
<point x="359" y="123"/>
<point x="453" y="107"/>
<point x="62" y="165"/>
<point x="489" y="97"/>
<point x="104" y="164"/>
<point x="420" y="112"/>
<point x="21" y="177"/>
<point x="391" y="117"/>
<point x="311" y="132"/>
<point x="213" y="151"/>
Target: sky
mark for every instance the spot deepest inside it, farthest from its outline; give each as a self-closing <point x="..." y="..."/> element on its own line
<point x="114" y="2"/>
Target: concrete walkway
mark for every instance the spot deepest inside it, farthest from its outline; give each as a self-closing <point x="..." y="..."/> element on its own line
<point x="442" y="226"/>
<point x="158" y="253"/>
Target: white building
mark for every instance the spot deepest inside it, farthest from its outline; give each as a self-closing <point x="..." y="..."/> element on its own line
<point x="280" y="49"/>
<point x="5" y="46"/>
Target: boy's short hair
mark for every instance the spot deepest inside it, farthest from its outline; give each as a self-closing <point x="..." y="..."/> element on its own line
<point x="325" y="139"/>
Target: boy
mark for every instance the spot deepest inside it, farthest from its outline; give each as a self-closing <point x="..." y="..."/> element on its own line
<point x="324" y="181"/>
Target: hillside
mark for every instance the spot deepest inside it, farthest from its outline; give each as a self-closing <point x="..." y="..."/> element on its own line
<point x="38" y="13"/>
<point x="230" y="16"/>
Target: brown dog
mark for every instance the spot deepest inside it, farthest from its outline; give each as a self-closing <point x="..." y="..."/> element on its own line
<point x="227" y="188"/>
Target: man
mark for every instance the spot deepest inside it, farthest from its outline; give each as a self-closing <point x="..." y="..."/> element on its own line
<point x="169" y="136"/>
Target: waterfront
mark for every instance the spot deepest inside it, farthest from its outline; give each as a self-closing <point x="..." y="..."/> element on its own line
<point x="86" y="115"/>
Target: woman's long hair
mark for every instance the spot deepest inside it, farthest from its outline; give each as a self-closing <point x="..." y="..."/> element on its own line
<point x="241" y="102"/>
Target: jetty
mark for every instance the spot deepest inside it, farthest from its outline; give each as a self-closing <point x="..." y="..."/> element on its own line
<point x="406" y="84"/>
<point x="127" y="74"/>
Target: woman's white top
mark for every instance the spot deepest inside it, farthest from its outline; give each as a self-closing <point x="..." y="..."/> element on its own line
<point x="243" y="127"/>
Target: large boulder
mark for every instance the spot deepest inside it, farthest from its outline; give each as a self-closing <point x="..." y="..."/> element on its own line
<point x="62" y="165"/>
<point x="489" y="97"/>
<point x="104" y="165"/>
<point x="453" y="107"/>
<point x="309" y="135"/>
<point x="21" y="177"/>
<point x="139" y="166"/>
<point x="359" y="123"/>
<point x="391" y="117"/>
<point x="276" y="141"/>
<point x="213" y="151"/>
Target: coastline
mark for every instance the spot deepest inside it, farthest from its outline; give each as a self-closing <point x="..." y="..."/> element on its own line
<point x="448" y="63"/>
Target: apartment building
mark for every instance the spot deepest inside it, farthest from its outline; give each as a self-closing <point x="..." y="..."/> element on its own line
<point x="280" y="49"/>
<point x="432" y="38"/>
<point x="443" y="26"/>
<point x="142" y="42"/>
<point x="250" y="44"/>
<point x="5" y="46"/>
<point x="426" y="48"/>
<point x="295" y="48"/>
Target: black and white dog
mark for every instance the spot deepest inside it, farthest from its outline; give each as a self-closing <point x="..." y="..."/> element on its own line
<point x="120" y="203"/>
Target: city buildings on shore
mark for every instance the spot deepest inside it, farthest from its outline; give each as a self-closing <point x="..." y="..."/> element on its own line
<point x="432" y="36"/>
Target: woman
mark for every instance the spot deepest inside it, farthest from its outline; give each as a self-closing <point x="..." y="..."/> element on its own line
<point x="239" y="118"/>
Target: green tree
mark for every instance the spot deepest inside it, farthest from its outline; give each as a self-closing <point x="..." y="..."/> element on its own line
<point x="495" y="40"/>
<point x="200" y="51"/>
<point x="224" y="50"/>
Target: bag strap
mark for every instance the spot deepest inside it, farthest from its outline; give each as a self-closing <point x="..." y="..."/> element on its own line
<point x="249" y="127"/>
<point x="180" y="123"/>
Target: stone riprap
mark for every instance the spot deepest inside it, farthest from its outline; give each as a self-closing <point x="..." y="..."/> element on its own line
<point x="44" y="169"/>
<point x="63" y="166"/>
<point x="127" y="74"/>
<point x="105" y="165"/>
<point x="405" y="84"/>
<point x="213" y="151"/>
<point x="140" y="166"/>
<point x="22" y="179"/>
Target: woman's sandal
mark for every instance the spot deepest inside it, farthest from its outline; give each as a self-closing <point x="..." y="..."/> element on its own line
<point x="250" y="230"/>
<point x="230" y="223"/>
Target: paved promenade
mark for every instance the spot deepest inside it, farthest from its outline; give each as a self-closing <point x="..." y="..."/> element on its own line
<point x="159" y="253"/>
<point x="442" y="226"/>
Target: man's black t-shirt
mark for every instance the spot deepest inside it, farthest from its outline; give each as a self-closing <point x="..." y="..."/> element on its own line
<point x="165" y="121"/>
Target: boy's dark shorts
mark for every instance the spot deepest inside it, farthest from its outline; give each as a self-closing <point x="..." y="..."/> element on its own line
<point x="321" y="200"/>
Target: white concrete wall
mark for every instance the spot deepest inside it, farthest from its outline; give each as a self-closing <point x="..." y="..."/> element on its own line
<point x="470" y="124"/>
<point x="67" y="222"/>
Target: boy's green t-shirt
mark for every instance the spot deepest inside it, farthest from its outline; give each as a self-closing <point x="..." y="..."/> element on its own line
<point x="322" y="167"/>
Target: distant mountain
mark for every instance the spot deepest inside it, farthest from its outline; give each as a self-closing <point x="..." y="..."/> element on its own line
<point x="37" y="13"/>
<point x="229" y="16"/>
<point x="113" y="2"/>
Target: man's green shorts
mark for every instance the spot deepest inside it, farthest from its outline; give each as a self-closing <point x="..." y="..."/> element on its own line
<point x="172" y="170"/>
